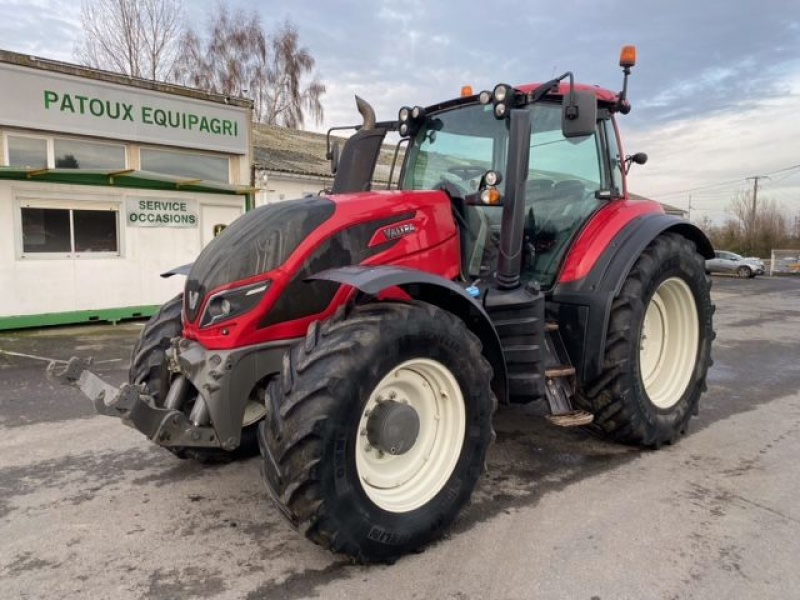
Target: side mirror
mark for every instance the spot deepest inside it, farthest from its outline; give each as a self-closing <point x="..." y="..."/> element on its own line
<point x="639" y="158"/>
<point x="578" y="113"/>
<point x="334" y="157"/>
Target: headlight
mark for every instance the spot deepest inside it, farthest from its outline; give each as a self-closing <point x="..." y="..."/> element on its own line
<point x="233" y="303"/>
<point x="501" y="92"/>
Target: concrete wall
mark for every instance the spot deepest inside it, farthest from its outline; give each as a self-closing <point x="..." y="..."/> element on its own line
<point x="286" y="187"/>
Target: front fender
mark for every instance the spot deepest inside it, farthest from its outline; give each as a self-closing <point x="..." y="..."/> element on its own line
<point x="435" y="290"/>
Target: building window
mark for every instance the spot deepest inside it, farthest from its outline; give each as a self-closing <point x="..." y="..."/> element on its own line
<point x="80" y="154"/>
<point x="45" y="230"/>
<point x="28" y="152"/>
<point x="69" y="231"/>
<point x="192" y="165"/>
<point x="94" y="230"/>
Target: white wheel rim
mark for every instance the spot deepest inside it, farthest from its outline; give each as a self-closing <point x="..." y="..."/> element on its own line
<point x="404" y="482"/>
<point x="669" y="343"/>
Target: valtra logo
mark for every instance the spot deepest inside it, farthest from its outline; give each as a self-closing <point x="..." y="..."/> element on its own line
<point x="392" y="233"/>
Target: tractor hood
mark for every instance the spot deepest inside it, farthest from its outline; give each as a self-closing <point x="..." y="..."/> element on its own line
<point x="301" y="237"/>
<point x="258" y="241"/>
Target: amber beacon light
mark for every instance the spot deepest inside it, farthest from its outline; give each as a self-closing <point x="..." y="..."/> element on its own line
<point x="627" y="57"/>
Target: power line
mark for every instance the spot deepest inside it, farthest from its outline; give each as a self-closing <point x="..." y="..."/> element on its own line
<point x="704" y="187"/>
<point x="724" y="183"/>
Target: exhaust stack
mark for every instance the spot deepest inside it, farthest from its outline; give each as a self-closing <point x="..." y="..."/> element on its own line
<point x="367" y="113"/>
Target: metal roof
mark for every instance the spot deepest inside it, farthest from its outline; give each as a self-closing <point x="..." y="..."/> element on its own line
<point x="127" y="178"/>
<point x="297" y="152"/>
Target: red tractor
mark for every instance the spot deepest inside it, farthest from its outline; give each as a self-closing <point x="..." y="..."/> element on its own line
<point x="363" y="339"/>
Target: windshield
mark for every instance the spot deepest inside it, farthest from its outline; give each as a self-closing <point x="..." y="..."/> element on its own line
<point x="456" y="147"/>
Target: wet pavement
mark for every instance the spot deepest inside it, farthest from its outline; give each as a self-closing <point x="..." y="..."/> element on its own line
<point x="90" y="509"/>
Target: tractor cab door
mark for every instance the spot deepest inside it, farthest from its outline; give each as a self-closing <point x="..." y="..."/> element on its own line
<point x="568" y="180"/>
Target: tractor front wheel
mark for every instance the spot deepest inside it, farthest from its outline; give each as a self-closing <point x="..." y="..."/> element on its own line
<point x="377" y="431"/>
<point x="658" y="347"/>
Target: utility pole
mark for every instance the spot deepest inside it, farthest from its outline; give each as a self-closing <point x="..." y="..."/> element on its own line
<point x="752" y="228"/>
<point x="690" y="207"/>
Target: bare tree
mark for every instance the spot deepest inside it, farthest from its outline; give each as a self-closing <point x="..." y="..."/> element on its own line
<point x="748" y="234"/>
<point x="285" y="98"/>
<point x="231" y="60"/>
<point x="136" y="37"/>
<point x="239" y="58"/>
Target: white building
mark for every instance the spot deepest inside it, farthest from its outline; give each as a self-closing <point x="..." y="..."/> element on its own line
<point x="106" y="182"/>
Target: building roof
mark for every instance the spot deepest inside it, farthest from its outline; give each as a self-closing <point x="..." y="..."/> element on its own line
<point x="296" y="152"/>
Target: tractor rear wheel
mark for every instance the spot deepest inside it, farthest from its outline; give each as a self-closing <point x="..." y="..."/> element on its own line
<point x="377" y="431"/>
<point x="658" y="347"/>
<point x="149" y="367"/>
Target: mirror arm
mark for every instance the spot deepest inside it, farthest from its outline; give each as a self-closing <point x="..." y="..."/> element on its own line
<point x="328" y="151"/>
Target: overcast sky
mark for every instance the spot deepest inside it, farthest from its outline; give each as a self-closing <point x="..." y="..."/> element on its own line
<point x="715" y="92"/>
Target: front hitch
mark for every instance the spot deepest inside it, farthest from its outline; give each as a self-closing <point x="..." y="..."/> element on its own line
<point x="130" y="403"/>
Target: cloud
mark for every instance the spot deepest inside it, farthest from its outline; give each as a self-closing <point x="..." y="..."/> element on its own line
<point x="715" y="91"/>
<point x="751" y="138"/>
<point x="40" y="28"/>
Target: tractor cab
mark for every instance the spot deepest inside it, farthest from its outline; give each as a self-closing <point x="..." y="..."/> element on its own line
<point x="558" y="138"/>
<point x="566" y="178"/>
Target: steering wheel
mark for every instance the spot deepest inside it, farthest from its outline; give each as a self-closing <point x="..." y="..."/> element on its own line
<point x="467" y="171"/>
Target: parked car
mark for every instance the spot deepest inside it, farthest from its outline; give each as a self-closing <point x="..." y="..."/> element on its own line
<point x="729" y="262"/>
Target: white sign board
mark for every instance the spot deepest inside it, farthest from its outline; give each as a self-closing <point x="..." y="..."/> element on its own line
<point x="56" y="102"/>
<point x="161" y="212"/>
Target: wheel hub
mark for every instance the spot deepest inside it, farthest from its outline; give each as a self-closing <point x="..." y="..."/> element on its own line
<point x="410" y="435"/>
<point x="393" y="427"/>
<point x="668" y="343"/>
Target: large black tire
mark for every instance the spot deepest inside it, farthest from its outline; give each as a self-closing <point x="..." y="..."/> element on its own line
<point x="620" y="398"/>
<point x="313" y="431"/>
<point x="149" y="367"/>
<point x="745" y="273"/>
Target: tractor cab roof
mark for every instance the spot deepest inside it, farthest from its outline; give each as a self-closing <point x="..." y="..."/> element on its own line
<point x="602" y="94"/>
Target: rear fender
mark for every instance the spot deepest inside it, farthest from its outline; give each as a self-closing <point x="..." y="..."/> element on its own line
<point x="435" y="290"/>
<point x="583" y="307"/>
